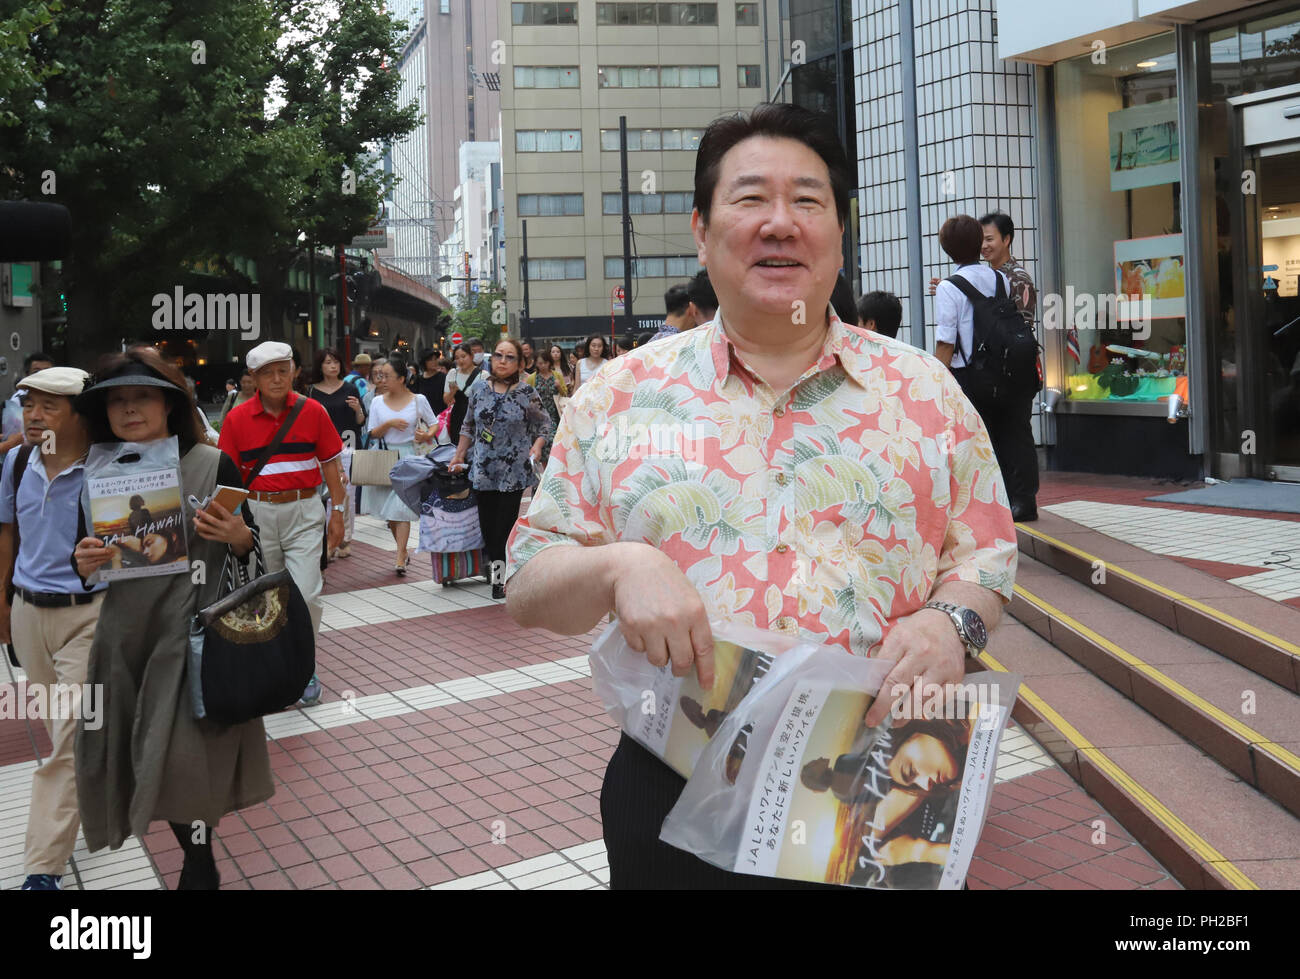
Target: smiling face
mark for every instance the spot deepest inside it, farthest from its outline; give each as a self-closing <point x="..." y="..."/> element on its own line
<point x="773" y="236"/>
<point x="995" y="250"/>
<point x="137" y="413"/>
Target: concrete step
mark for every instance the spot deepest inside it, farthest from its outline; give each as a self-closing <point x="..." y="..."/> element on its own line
<point x="1248" y="724"/>
<point x="1208" y="826"/>
<point x="1258" y="633"/>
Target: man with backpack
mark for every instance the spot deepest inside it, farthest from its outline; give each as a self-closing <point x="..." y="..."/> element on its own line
<point x="988" y="342"/>
<point x="46" y="612"/>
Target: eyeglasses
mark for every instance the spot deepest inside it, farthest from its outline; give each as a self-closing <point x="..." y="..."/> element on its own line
<point x="505" y="357"/>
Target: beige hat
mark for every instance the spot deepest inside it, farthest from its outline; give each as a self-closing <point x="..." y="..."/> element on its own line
<point x="67" y="381"/>
<point x="362" y="359"/>
<point x="268" y="352"/>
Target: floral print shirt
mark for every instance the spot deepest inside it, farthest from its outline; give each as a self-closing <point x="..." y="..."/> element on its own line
<point x="516" y="420"/>
<point x="830" y="510"/>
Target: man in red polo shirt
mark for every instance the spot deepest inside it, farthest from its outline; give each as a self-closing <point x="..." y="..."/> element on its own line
<point x="285" y="495"/>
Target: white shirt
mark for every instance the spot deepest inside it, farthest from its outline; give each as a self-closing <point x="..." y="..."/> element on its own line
<point x="416" y="410"/>
<point x="954" y="316"/>
<point x="587" y="368"/>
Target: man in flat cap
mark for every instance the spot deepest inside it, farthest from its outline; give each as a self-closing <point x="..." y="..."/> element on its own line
<point x="284" y="492"/>
<point x="45" y="612"/>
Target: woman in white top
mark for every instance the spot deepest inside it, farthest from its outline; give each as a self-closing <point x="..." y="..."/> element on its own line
<point x="597" y="354"/>
<point x="398" y="417"/>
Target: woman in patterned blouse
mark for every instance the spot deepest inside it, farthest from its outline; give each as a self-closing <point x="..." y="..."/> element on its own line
<point x="508" y="428"/>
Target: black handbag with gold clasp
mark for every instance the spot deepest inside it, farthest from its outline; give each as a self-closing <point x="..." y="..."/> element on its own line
<point x="252" y="651"/>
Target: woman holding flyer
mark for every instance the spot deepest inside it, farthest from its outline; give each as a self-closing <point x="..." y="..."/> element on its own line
<point x="150" y="758"/>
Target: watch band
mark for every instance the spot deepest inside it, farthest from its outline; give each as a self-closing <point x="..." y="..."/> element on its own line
<point x="957" y="615"/>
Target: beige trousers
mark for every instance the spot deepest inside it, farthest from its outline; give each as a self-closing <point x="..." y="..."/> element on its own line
<point x="292" y="535"/>
<point x="53" y="646"/>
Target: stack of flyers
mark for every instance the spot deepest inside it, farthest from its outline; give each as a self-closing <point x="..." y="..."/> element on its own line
<point x="786" y="780"/>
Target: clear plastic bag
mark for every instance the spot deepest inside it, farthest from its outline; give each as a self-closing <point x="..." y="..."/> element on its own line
<point x="794" y="785"/>
<point x="672" y="716"/>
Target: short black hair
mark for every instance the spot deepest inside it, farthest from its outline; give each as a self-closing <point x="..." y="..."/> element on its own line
<point x="962" y="238"/>
<point x="676" y="299"/>
<point x="33" y="357"/>
<point x="781" y="121"/>
<point x="426" y="355"/>
<point x="842" y="300"/>
<point x="643" y="338"/>
<point x="701" y="292"/>
<point x="883" y="309"/>
<point x="1006" y="227"/>
<point x="477" y="342"/>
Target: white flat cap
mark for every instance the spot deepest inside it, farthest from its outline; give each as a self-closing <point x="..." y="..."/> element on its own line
<point x="268" y="353"/>
<point x="67" y="381"/>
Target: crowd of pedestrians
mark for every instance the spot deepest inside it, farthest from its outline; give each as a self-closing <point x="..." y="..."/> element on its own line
<point x="289" y="436"/>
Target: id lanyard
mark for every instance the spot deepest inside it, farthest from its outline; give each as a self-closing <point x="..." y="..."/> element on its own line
<point x="485" y="432"/>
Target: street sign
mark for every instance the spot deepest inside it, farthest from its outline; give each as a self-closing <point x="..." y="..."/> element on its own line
<point x="457" y="339"/>
<point x="616" y="299"/>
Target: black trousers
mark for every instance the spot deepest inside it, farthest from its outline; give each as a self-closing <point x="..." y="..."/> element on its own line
<point x="1012" y="435"/>
<point x="497" y="513"/>
<point x="638" y="792"/>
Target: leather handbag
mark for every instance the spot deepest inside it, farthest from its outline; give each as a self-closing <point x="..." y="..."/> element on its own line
<point x="370" y="467"/>
<point x="252" y="651"/>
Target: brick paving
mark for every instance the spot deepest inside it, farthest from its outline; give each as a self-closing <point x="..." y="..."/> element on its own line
<point x="504" y="788"/>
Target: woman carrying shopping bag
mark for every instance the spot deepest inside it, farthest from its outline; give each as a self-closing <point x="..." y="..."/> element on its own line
<point x="150" y="758"/>
<point x="508" y="428"/>
<point x="397" y="419"/>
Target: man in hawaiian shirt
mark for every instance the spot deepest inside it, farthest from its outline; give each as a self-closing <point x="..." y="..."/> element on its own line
<point x="775" y="468"/>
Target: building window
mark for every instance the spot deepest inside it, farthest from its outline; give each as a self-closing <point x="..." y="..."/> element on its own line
<point x="653" y="266"/>
<point x="549" y="205"/>
<point x="1120" y="218"/>
<point x="747" y="76"/>
<point x="444" y="6"/>
<point x="668" y="203"/>
<point x="548" y="140"/>
<point x="672" y="76"/>
<point x="542" y="14"/>
<point x="746" y="15"/>
<point x="529" y="76"/>
<point x="544" y="269"/>
<point x="661" y="14"/>
<point x="653" y="139"/>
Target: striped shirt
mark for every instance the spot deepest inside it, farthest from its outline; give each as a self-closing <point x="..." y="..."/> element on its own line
<point x="248" y="430"/>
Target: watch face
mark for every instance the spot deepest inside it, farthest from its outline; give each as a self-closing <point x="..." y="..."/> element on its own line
<point x="975" y="628"/>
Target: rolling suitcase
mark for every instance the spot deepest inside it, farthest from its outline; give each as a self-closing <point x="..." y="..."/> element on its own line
<point x="449" y="527"/>
<point x="453" y="566"/>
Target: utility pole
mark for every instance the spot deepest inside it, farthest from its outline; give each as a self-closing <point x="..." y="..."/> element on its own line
<point x="528" y="321"/>
<point x="627" y="230"/>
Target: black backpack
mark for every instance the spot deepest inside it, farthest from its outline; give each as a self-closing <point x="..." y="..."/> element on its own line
<point x="1004" y="363"/>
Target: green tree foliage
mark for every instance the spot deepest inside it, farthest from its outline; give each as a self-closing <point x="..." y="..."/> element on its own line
<point x="183" y="131"/>
<point x="480" y="314"/>
<point x="19" y="69"/>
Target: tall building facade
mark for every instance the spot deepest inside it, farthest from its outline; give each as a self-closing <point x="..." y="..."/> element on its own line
<point x="570" y="70"/>
<point x="447" y="67"/>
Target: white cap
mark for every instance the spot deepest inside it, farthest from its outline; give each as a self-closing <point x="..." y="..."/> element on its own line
<point x="268" y="353"/>
<point x="67" y="381"/>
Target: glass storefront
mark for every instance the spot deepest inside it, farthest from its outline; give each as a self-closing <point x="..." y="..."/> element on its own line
<point x="1253" y="302"/>
<point x="1122" y="300"/>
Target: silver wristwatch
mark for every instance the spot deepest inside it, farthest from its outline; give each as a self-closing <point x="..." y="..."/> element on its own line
<point x="339" y="507"/>
<point x="970" y="627"/>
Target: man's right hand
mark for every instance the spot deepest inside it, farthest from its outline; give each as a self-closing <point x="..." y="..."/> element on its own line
<point x="660" y="613"/>
<point x="91" y="555"/>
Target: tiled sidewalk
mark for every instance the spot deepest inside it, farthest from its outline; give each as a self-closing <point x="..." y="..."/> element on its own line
<point x="456" y="749"/>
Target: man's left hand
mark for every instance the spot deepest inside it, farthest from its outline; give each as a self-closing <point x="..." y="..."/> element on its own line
<point x="334" y="536"/>
<point x="925" y="649"/>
